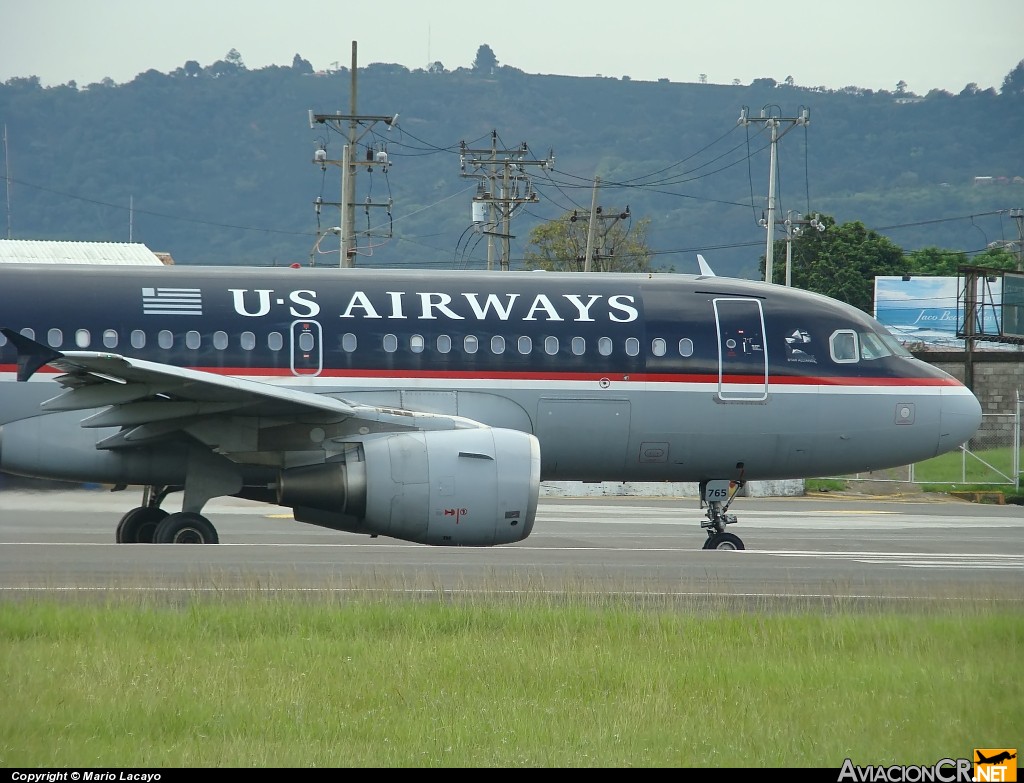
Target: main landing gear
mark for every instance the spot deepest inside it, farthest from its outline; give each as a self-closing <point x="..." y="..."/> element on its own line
<point x="717" y="496"/>
<point x="150" y="524"/>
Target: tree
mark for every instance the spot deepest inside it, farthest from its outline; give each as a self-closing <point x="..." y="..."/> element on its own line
<point x="1013" y="84"/>
<point x="235" y="59"/>
<point x="841" y="262"/>
<point x="485" y="61"/>
<point x="300" y="65"/>
<point x="561" y="245"/>
<point x="24" y="83"/>
<point x="936" y="262"/>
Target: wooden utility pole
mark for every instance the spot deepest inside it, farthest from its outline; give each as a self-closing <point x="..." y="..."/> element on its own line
<point x="349" y="164"/>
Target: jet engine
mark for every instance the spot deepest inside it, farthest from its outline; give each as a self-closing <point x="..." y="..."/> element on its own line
<point x="469" y="487"/>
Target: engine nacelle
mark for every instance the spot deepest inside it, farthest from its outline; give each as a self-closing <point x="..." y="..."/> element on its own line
<point x="472" y="487"/>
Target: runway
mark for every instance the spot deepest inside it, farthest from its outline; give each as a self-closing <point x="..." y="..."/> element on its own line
<point x="808" y="549"/>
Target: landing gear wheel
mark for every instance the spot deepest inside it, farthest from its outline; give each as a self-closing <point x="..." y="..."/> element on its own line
<point x="723" y="541"/>
<point x="185" y="528"/>
<point x="139" y="525"/>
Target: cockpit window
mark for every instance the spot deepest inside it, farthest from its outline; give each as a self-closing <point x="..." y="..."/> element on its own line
<point x="843" y="346"/>
<point x="872" y="347"/>
<point x="895" y="346"/>
<point x="848" y="346"/>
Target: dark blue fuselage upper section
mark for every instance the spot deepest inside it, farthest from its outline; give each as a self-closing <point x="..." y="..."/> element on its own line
<point x="354" y="322"/>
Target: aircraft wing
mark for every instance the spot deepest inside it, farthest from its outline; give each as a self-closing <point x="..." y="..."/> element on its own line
<point x="150" y="400"/>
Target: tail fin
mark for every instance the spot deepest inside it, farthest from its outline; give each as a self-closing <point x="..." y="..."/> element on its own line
<point x="705" y="267"/>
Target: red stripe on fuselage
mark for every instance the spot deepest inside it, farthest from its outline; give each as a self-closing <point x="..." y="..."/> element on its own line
<point x="512" y="375"/>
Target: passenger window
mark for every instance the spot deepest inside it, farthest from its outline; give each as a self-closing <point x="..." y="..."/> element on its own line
<point x="109" y="338"/>
<point x="82" y="338"/>
<point x="686" y="347"/>
<point x="551" y="345"/>
<point x="248" y="341"/>
<point x="579" y="345"/>
<point x="138" y="338"/>
<point x="220" y="340"/>
<point x="306" y="342"/>
<point x="497" y="344"/>
<point x="29" y="332"/>
<point x="658" y="346"/>
<point x="470" y="344"/>
<point x="632" y="346"/>
<point x="525" y="345"/>
<point x="604" y="346"/>
<point x="275" y="341"/>
<point x="3" y="340"/>
<point x="348" y="342"/>
<point x="55" y="337"/>
<point x="192" y="339"/>
<point x="417" y="343"/>
<point x="843" y="346"/>
<point x="444" y="343"/>
<point x="165" y="339"/>
<point x="390" y="343"/>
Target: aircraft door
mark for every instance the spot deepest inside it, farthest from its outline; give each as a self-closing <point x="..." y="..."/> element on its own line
<point x="307" y="351"/>
<point x="742" y="354"/>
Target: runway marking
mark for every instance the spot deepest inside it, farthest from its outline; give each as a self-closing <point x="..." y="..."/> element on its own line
<point x="976" y="561"/>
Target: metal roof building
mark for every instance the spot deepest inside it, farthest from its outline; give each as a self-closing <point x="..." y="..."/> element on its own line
<point x="42" y="251"/>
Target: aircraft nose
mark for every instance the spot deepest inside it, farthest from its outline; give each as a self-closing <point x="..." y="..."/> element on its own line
<point x="959" y="418"/>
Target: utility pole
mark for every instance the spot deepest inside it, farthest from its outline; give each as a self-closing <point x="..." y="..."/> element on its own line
<point x="349" y="164"/>
<point x="7" y="179"/>
<point x="773" y="124"/>
<point x="507" y="167"/>
<point x="596" y="214"/>
<point x="793" y="228"/>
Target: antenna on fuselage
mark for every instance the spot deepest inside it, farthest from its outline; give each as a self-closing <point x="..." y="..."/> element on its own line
<point x="705" y="267"/>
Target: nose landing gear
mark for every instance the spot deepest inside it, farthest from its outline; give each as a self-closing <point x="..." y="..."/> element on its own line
<point x="717" y="496"/>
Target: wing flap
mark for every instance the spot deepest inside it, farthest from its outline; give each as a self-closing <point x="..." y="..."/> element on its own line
<point x="82" y="396"/>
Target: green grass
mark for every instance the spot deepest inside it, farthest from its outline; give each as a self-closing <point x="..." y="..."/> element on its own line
<point x="992" y="466"/>
<point x="825" y="485"/>
<point x="526" y="681"/>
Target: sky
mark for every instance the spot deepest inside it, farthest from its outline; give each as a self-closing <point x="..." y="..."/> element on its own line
<point x="874" y="44"/>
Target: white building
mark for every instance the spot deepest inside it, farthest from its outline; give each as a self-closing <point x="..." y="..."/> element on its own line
<point x="44" y="251"/>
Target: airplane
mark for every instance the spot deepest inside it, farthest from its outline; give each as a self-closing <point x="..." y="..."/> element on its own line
<point x="428" y="406"/>
<point x="1004" y="755"/>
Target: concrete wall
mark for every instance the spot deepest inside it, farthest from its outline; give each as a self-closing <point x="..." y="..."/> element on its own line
<point x="998" y="380"/>
<point x="672" y="489"/>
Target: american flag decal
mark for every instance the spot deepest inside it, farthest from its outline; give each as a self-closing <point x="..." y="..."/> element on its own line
<point x="172" y="301"/>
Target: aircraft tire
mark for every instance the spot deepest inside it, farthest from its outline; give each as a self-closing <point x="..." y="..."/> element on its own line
<point x="723" y="541"/>
<point x="139" y="525"/>
<point x="185" y="528"/>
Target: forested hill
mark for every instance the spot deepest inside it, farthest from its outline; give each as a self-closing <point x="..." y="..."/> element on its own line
<point x="215" y="165"/>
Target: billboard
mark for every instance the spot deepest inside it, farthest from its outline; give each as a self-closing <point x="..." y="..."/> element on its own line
<point x="927" y="310"/>
<point x="1013" y="304"/>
